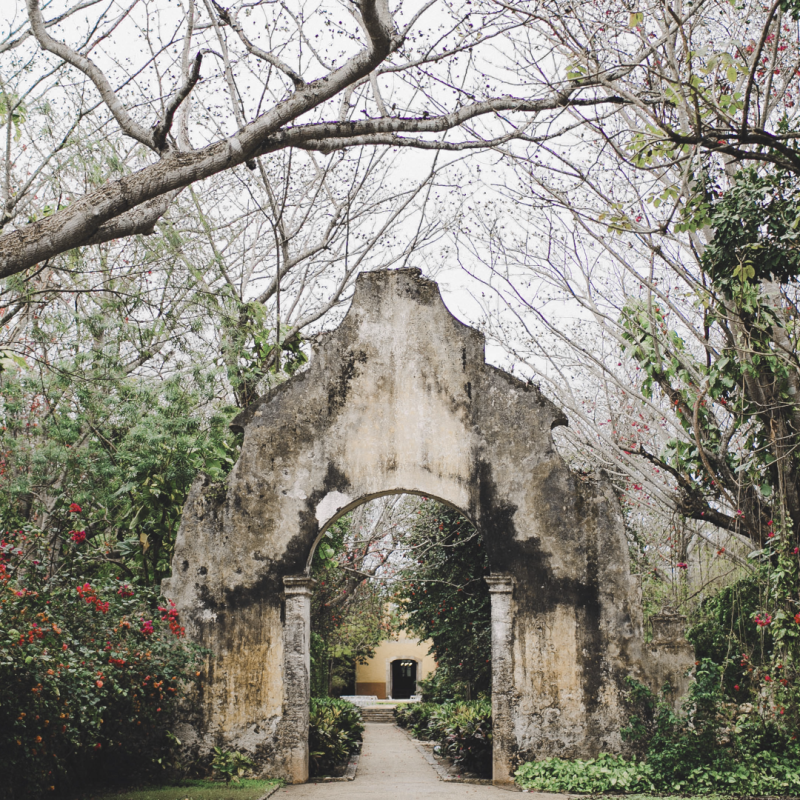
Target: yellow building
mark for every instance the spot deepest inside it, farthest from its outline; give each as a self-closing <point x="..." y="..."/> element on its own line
<point x="396" y="668"/>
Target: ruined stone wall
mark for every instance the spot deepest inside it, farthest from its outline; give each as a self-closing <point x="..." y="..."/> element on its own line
<point x="399" y="399"/>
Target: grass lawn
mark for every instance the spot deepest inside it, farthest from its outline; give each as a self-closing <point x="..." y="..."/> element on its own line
<point x="191" y="790"/>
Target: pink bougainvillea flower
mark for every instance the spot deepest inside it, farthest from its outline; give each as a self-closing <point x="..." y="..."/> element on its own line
<point x="125" y="590"/>
<point x="147" y="627"/>
<point x="79" y="537"/>
<point x="74" y="508"/>
<point x="736" y="687"/>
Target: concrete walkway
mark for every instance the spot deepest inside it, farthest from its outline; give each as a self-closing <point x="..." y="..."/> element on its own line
<point x="391" y="767"/>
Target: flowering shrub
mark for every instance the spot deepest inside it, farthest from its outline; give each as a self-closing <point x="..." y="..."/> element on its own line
<point x="89" y="670"/>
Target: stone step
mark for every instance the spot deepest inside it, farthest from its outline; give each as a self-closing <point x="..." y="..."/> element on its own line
<point x="378" y="714"/>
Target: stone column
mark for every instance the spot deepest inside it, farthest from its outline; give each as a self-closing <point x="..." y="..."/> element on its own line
<point x="504" y="745"/>
<point x="296" y="675"/>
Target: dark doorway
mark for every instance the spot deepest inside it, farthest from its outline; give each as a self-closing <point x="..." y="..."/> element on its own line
<point x="404" y="679"/>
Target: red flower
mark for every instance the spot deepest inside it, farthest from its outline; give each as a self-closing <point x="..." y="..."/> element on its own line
<point x="74" y="508"/>
<point x="99" y="684"/>
<point x="762" y="623"/>
<point x="79" y="537"/>
<point x="736" y="687"/>
<point x="797" y="618"/>
<point x="125" y="590"/>
<point x="147" y="627"/>
<point x="767" y="678"/>
<point x="171" y="615"/>
<point x="682" y="565"/>
<point x="90" y="596"/>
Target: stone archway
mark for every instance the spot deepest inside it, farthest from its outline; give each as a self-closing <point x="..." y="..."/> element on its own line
<point x="399" y="399"/>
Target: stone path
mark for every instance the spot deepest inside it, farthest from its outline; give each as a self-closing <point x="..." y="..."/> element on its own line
<point x="391" y="767"/>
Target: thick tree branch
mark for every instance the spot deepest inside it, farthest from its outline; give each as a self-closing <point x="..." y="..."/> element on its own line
<point x="77" y="224"/>
<point x="140" y="220"/>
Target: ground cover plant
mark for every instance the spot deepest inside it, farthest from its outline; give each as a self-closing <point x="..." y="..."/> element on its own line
<point x="90" y="671"/>
<point x="335" y="732"/>
<point x="462" y="731"/>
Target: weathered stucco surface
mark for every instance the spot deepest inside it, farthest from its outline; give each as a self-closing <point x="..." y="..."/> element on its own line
<point x="399" y="399"/>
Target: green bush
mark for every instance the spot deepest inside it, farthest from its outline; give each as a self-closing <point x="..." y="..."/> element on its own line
<point x="335" y="732"/>
<point x="89" y="671"/>
<point x="464" y="733"/>
<point x="462" y="730"/>
<point x="415" y="717"/>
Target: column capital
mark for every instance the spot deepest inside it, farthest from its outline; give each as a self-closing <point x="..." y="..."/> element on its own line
<point x="500" y="583"/>
<point x="294" y="585"/>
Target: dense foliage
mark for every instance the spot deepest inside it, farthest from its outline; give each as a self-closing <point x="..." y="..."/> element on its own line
<point x="415" y="717"/>
<point x="90" y="669"/>
<point x="126" y="449"/>
<point x="335" y="732"/>
<point x="462" y="731"/>
<point x="445" y="598"/>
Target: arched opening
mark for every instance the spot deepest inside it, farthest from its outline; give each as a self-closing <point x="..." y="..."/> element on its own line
<point x="400" y="611"/>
